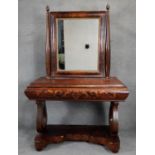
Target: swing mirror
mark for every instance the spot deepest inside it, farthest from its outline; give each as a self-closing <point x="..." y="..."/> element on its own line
<point x="78" y="41"/>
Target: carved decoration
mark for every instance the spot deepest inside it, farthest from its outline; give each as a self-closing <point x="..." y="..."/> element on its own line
<point x="75" y="94"/>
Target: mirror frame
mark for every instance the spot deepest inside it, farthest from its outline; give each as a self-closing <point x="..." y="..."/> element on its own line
<point x="51" y="44"/>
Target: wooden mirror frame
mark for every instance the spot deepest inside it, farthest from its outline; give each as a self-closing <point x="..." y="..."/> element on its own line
<point x="51" y="44"/>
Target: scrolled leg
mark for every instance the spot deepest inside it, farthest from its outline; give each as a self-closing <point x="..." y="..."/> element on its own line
<point x="108" y="138"/>
<point x="114" y="142"/>
<point x="41" y="121"/>
<point x="113" y="118"/>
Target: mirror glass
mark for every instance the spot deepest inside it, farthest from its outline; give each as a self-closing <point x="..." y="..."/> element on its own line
<point x="77" y="48"/>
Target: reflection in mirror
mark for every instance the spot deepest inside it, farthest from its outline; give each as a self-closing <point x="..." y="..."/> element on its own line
<point x="78" y="44"/>
<point x="61" y="49"/>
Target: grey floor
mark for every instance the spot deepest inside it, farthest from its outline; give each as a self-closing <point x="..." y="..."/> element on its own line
<point x="26" y="147"/>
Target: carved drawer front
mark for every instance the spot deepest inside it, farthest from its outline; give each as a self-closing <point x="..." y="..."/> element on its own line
<point x="77" y="93"/>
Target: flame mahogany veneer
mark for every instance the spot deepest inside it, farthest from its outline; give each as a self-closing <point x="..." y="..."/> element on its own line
<point x="108" y="89"/>
<point x="77" y="86"/>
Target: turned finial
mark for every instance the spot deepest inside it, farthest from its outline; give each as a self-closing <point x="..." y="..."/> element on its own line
<point x="47" y="8"/>
<point x="108" y="7"/>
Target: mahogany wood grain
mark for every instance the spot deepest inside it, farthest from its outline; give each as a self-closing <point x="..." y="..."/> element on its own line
<point x="41" y="120"/>
<point x="48" y="44"/>
<point x="113" y="118"/>
<point x="110" y="89"/>
<point x="77" y="82"/>
<point x="88" y="133"/>
<point x="78" y="94"/>
<point x="107" y="45"/>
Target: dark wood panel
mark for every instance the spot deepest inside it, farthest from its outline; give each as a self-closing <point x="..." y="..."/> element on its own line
<point x="88" y="133"/>
<point x="78" y="14"/>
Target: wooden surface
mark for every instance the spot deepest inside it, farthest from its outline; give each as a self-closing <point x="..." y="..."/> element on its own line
<point x="110" y="89"/>
<point x="48" y="44"/>
<point x="107" y="46"/>
<point x="88" y="133"/>
<point x="77" y="82"/>
<point x="103" y="135"/>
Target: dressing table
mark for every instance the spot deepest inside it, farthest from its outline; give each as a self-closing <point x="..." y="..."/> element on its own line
<point x="77" y="69"/>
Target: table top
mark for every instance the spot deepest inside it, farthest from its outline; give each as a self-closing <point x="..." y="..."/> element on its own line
<point x="77" y="82"/>
<point x="85" y="89"/>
